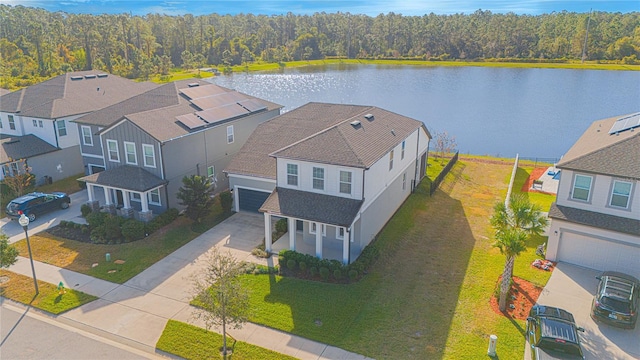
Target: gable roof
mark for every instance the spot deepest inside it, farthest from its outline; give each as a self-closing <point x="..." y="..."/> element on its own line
<point x="597" y="151"/>
<point x="595" y="219"/>
<point x="127" y="177"/>
<point x="71" y="94"/>
<point x="22" y="147"/>
<point x="304" y="133"/>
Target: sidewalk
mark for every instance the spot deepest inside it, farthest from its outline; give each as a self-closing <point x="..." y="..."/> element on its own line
<point x="136" y="312"/>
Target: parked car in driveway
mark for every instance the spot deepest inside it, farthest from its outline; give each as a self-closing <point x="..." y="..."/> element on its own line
<point x="617" y="299"/>
<point x="552" y="334"/>
<point x="36" y="204"/>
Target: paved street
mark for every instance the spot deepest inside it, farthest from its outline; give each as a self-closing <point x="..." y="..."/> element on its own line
<point x="26" y="334"/>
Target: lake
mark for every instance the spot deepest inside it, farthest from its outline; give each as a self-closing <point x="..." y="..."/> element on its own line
<point x="490" y="111"/>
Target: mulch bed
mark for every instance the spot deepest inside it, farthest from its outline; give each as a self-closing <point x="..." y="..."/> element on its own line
<point x="523" y="296"/>
<point x="70" y="233"/>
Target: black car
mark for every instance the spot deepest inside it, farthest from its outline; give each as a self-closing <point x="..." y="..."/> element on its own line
<point x="553" y="334"/>
<point x="616" y="300"/>
<point x="36" y="204"/>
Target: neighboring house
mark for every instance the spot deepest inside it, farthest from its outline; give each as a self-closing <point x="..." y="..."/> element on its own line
<point x="595" y="221"/>
<point x="136" y="152"/>
<point x="40" y="114"/>
<point x="336" y="172"/>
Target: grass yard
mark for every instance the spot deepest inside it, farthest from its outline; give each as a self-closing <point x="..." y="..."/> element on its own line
<point x="428" y="295"/>
<point x="20" y="288"/>
<point x="542" y="199"/>
<point x="138" y="255"/>
<point x="192" y="342"/>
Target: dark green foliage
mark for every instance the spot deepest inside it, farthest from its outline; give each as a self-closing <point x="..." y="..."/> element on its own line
<point x="281" y="226"/>
<point x="291" y="264"/>
<point x="303" y="266"/>
<point x="161" y="220"/>
<point x="196" y="194"/>
<point x="132" y="230"/>
<point x="226" y="201"/>
<point x="313" y="271"/>
<point x="337" y="274"/>
<point x="8" y="253"/>
<point x="96" y="219"/>
<point x="112" y="224"/>
<point x="85" y="210"/>
<point x="324" y="273"/>
<point x="353" y="274"/>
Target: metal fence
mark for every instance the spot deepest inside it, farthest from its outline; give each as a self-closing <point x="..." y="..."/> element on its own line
<point x="436" y="182"/>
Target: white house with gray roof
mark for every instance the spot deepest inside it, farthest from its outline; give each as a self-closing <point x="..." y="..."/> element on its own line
<point x="35" y="122"/>
<point x="595" y="221"/>
<point x="137" y="152"/>
<point x="337" y="173"/>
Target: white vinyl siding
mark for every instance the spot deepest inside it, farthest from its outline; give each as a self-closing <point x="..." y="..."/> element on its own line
<point x="112" y="148"/>
<point x="292" y="174"/>
<point x="581" y="187"/>
<point x="149" y="155"/>
<point x="87" y="139"/>
<point x="229" y="134"/>
<point x="620" y="194"/>
<point x="130" y="153"/>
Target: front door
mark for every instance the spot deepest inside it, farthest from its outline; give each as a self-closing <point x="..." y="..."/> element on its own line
<point x="119" y="200"/>
<point x="299" y="225"/>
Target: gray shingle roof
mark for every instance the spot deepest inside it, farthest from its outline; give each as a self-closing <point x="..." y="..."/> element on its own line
<point x="310" y="206"/>
<point x="125" y="177"/>
<point x="599" y="152"/>
<point x="595" y="219"/>
<point x="304" y="134"/>
<point x="63" y="96"/>
<point x="22" y="147"/>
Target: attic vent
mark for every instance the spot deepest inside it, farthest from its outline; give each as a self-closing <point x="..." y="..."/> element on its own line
<point x="77" y="78"/>
<point x="103" y="75"/>
<point x="90" y="76"/>
<point x="355" y="123"/>
<point x="193" y="85"/>
<point x="369" y="117"/>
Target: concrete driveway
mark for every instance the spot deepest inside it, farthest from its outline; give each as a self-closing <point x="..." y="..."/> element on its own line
<point x="571" y="288"/>
<point x="15" y="232"/>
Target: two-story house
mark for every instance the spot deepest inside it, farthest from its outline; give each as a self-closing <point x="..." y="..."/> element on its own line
<point x="137" y="152"/>
<point x="336" y="172"/>
<point x="35" y="121"/>
<point x="595" y="221"/>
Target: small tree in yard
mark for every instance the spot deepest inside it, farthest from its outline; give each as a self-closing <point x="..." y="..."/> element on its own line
<point x="221" y="299"/>
<point x="514" y="223"/>
<point x="445" y="144"/>
<point x="197" y="195"/>
<point x="8" y="253"/>
<point x="20" y="184"/>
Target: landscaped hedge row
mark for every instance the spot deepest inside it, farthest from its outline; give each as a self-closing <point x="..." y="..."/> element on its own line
<point x="328" y="269"/>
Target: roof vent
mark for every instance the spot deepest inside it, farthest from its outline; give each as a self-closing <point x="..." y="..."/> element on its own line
<point x="355" y="123"/>
<point x="90" y="76"/>
<point x="369" y="117"/>
<point x="77" y="78"/>
<point x="103" y="75"/>
<point x="393" y="132"/>
<point x="193" y="84"/>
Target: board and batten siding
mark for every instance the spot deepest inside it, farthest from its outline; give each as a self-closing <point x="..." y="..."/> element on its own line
<point x="92" y="151"/>
<point x="126" y="131"/>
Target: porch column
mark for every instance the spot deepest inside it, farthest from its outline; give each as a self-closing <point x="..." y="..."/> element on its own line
<point x="319" y="240"/>
<point x="267" y="232"/>
<point x="292" y="234"/>
<point x="345" y="246"/>
<point x="144" y="201"/>
<point x="90" y="192"/>
<point x="107" y="196"/>
<point x="125" y="198"/>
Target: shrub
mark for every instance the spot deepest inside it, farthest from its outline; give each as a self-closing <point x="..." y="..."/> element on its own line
<point x="85" y="210"/>
<point x="324" y="273"/>
<point x="112" y="227"/>
<point x="353" y="274"/>
<point x="226" y="201"/>
<point x="259" y="253"/>
<point x="303" y="266"/>
<point x="281" y="226"/>
<point x="98" y="235"/>
<point x="64" y="223"/>
<point x="337" y="274"/>
<point x="96" y="219"/>
<point x="291" y="264"/>
<point x="313" y="271"/>
<point x="132" y="230"/>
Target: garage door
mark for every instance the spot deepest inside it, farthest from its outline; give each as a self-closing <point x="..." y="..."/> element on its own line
<point x="599" y="254"/>
<point x="251" y="200"/>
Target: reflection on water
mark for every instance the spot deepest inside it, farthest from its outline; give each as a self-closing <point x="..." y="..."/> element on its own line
<point x="495" y="111"/>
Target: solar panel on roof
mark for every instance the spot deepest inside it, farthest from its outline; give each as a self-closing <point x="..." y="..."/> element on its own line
<point x="191" y="121"/>
<point x="252" y="105"/>
<point x="222" y="113"/>
<point x="202" y="91"/>
<point x="626" y="123"/>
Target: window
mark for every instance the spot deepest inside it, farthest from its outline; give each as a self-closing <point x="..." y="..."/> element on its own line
<point x="391" y="160"/>
<point x="404" y="181"/>
<point x="292" y="174"/>
<point x="211" y="171"/>
<point x="154" y="197"/>
<point x="318" y="178"/>
<point x="339" y="233"/>
<point x="0" y="123"/>
<point x="149" y="155"/>
<point x="112" y="147"/>
<point x="35" y="123"/>
<point x="40" y="123"/>
<point x="620" y="194"/>
<point x="130" y="153"/>
<point x="313" y="228"/>
<point x="345" y="182"/>
<point x="402" y="152"/>
<point x="229" y="134"/>
<point x="12" y="123"/>
<point x="87" y="139"/>
<point x="581" y="187"/>
<point x="62" y="127"/>
<point x="134" y="196"/>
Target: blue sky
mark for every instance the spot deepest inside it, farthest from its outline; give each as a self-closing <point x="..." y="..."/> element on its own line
<point x="368" y="7"/>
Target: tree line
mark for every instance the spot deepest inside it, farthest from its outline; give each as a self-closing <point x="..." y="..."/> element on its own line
<point x="35" y="42"/>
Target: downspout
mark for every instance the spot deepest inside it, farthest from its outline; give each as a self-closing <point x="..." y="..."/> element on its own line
<point x="164" y="176"/>
<point x="417" y="171"/>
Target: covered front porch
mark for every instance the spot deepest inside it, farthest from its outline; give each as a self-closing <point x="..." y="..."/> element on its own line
<point x="127" y="191"/>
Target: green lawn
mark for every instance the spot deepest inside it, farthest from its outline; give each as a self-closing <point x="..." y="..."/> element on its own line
<point x="522" y="174"/>
<point x="192" y="342"/>
<point x="138" y="255"/>
<point x="21" y="289"/>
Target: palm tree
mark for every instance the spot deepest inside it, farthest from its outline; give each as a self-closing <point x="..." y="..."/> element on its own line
<point x="514" y="223"/>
